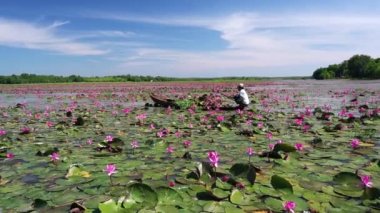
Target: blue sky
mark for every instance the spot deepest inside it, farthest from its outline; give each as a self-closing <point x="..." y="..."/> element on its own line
<point x="198" y="38"/>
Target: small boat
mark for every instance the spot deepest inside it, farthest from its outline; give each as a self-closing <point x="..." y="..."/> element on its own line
<point x="163" y="101"/>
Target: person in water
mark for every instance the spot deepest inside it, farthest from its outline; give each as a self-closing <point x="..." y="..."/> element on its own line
<point x="242" y="97"/>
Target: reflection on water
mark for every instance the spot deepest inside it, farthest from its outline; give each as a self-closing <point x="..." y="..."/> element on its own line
<point x="30" y="179"/>
<point x="331" y="94"/>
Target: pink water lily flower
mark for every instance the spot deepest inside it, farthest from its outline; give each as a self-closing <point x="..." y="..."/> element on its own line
<point x="160" y="134"/>
<point x="54" y="156"/>
<point x="141" y="117"/>
<point x="127" y="110"/>
<point x="168" y="110"/>
<point x="135" y="144"/>
<point x="289" y="206"/>
<point x="108" y="138"/>
<point x="2" y="132"/>
<point x="151" y="126"/>
<point x="10" y="155"/>
<point x="49" y="124"/>
<point x="171" y="184"/>
<point x="25" y="130"/>
<point x="269" y="135"/>
<point x="220" y="118"/>
<point x="187" y="144"/>
<point x="271" y="146"/>
<point x="110" y="169"/>
<point x="250" y="151"/>
<point x="178" y="134"/>
<point x="298" y="121"/>
<point x="90" y="141"/>
<point x="213" y="157"/>
<point x="170" y="149"/>
<point x="239" y="185"/>
<point x="298" y="146"/>
<point x="355" y="143"/>
<point x="366" y="181"/>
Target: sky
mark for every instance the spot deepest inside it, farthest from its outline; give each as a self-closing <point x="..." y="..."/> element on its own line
<point x="184" y="38"/>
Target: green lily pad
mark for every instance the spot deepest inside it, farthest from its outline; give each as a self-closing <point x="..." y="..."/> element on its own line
<point x="111" y="206"/>
<point x="283" y="147"/>
<point x="168" y="196"/>
<point x="219" y="193"/>
<point x="77" y="171"/>
<point x="274" y="204"/>
<point x="212" y="206"/>
<point x="238" y="198"/>
<point x="166" y="208"/>
<point x="223" y="185"/>
<point x="371" y="193"/>
<point x="281" y="184"/>
<point x="142" y="193"/>
<point x="348" y="184"/>
<point x="247" y="171"/>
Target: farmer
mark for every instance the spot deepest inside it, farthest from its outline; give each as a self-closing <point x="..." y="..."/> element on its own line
<point x="242" y="97"/>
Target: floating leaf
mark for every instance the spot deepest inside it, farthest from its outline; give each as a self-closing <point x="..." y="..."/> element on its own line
<point x="281" y="184"/>
<point x="164" y="209"/>
<point x="219" y="193"/>
<point x="247" y="171"/>
<point x="39" y="203"/>
<point x="283" y="147"/>
<point x="213" y="207"/>
<point x="111" y="206"/>
<point x="168" y="196"/>
<point x="238" y="198"/>
<point x="76" y="171"/>
<point x="274" y="204"/>
<point x="142" y="193"/>
<point x="371" y="193"/>
<point x="348" y="184"/>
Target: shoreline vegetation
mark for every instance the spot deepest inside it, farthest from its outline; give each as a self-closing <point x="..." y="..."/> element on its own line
<point x="357" y="67"/>
<point x="26" y="78"/>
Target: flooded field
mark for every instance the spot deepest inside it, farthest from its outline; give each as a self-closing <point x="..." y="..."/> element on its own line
<point x="91" y="147"/>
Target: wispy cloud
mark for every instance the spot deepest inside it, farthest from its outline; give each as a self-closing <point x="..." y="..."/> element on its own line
<point x="26" y="35"/>
<point x="58" y="24"/>
<point x="258" y="41"/>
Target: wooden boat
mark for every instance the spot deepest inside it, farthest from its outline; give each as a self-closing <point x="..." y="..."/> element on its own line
<point x="163" y="101"/>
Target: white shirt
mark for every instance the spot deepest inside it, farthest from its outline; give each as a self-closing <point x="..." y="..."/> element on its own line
<point x="244" y="94"/>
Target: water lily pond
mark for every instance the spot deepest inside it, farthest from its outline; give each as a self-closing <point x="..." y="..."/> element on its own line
<point x="299" y="146"/>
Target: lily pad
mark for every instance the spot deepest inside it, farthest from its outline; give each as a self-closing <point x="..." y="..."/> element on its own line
<point x="77" y="171"/>
<point x="281" y="184"/>
<point x="247" y="171"/>
<point x="142" y="193"/>
<point x="168" y="196"/>
<point x="284" y="148"/>
<point x="348" y="184"/>
<point x="238" y="198"/>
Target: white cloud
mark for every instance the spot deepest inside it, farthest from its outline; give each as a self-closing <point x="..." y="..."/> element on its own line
<point x="58" y="24"/>
<point x="25" y="35"/>
<point x="258" y="42"/>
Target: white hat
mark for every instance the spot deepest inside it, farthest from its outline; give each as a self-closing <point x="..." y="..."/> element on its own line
<point x="241" y="85"/>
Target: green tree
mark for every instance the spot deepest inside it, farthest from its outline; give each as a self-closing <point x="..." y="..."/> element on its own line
<point x="358" y="66"/>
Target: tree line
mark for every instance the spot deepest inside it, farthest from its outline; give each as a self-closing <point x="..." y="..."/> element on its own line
<point x="26" y="78"/>
<point x="357" y="67"/>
